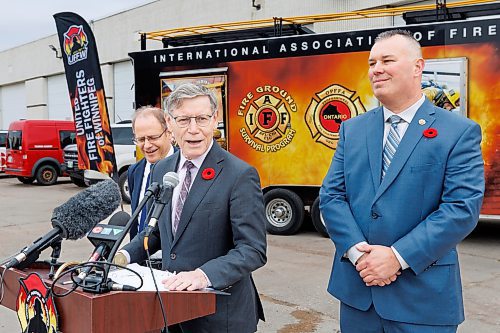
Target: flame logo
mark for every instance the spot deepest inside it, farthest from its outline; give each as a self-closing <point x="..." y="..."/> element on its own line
<point x="35" y="307"/>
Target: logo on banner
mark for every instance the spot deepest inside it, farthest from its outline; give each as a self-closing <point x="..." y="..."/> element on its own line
<point x="75" y="44"/>
<point x="267" y="117"/>
<point x="328" y="109"/>
<point x="36" y="310"/>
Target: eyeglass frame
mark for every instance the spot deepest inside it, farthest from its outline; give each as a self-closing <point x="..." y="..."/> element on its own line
<point x="191" y="117"/>
<point x="151" y="138"/>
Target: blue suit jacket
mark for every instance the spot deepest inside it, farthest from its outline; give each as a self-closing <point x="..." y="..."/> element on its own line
<point x="426" y="204"/>
<point x="221" y="231"/>
<point x="135" y="175"/>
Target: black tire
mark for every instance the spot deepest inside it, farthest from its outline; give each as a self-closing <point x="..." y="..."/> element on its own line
<point x="284" y="212"/>
<point x="123" y="184"/>
<point x="317" y="219"/>
<point x="26" y="180"/>
<point x="78" y="181"/>
<point x="46" y="175"/>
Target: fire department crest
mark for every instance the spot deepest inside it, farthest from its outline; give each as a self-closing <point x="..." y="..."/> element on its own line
<point x="328" y="109"/>
<point x="36" y="310"/>
<point x="75" y="44"/>
<point x="267" y="118"/>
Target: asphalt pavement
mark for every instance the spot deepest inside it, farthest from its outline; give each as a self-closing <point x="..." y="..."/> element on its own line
<point x="292" y="284"/>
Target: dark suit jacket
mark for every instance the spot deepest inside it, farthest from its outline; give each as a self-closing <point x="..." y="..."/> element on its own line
<point x="428" y="201"/>
<point x="135" y="175"/>
<point x="221" y="231"/>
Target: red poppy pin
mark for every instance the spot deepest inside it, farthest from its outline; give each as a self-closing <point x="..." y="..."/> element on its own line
<point x="430" y="133"/>
<point x="208" y="173"/>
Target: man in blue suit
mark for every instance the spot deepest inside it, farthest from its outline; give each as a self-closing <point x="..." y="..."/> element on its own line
<point x="404" y="188"/>
<point x="152" y="137"/>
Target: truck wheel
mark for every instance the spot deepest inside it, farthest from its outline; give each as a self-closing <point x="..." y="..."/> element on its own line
<point x="46" y="175"/>
<point x="78" y="181"/>
<point x="26" y="180"/>
<point x="284" y="212"/>
<point x="123" y="183"/>
<point x="317" y="219"/>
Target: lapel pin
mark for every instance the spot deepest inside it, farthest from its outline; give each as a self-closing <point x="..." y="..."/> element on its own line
<point x="421" y="121"/>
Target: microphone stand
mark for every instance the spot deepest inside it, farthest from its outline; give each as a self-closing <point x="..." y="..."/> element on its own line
<point x="147" y="197"/>
<point x="56" y="252"/>
<point x="98" y="283"/>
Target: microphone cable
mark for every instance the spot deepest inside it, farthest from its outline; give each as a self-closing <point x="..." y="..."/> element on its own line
<point x="163" y="312"/>
<point x="103" y="283"/>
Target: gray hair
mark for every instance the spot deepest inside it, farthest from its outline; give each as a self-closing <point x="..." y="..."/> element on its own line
<point x="190" y="90"/>
<point x="407" y="35"/>
<point x="149" y="109"/>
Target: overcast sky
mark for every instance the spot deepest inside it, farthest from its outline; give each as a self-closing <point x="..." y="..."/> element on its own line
<point x="23" y="21"/>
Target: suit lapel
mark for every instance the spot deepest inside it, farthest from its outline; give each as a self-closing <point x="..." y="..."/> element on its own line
<point x="138" y="176"/>
<point x="374" y="135"/>
<point x="199" y="188"/>
<point x="407" y="145"/>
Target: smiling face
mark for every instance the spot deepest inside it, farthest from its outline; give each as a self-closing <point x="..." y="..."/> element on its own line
<point x="154" y="148"/>
<point x="395" y="72"/>
<point x="193" y="140"/>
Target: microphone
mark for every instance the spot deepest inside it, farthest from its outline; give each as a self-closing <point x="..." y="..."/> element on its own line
<point x="119" y="219"/>
<point x="120" y="287"/>
<point x="170" y="181"/>
<point x="75" y="218"/>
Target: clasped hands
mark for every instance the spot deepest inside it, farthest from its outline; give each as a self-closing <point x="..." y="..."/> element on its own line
<point x="378" y="266"/>
<point x="192" y="280"/>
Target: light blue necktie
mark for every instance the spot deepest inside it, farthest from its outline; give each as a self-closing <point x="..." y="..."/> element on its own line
<point x="391" y="144"/>
<point x="144" y="211"/>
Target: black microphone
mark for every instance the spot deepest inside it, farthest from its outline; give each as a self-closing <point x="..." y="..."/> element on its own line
<point x="120" y="287"/>
<point x="170" y="181"/>
<point x="75" y="218"/>
<point x="110" y="233"/>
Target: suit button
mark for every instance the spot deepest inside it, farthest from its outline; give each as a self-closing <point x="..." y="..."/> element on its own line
<point x="375" y="216"/>
<point x="172" y="256"/>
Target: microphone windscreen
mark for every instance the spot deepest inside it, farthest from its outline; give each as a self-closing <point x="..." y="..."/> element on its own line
<point x="170" y="179"/>
<point x="77" y="216"/>
<point x="119" y="219"/>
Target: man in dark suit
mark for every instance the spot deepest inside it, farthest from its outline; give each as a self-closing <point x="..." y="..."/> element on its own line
<point x="213" y="232"/>
<point x="404" y="188"/>
<point x="152" y="137"/>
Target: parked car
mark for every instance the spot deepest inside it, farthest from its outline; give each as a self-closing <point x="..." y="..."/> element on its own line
<point x="35" y="149"/>
<point x="3" y="150"/>
<point x="124" y="155"/>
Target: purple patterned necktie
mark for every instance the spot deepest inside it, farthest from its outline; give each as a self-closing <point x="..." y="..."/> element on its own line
<point x="182" y="195"/>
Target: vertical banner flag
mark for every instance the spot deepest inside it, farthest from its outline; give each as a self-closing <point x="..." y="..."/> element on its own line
<point x="86" y="92"/>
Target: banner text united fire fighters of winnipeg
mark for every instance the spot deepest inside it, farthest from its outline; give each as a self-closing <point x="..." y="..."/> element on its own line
<point x="87" y="115"/>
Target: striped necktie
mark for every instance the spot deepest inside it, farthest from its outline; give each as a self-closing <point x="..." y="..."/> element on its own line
<point x="182" y="195"/>
<point x="391" y="144"/>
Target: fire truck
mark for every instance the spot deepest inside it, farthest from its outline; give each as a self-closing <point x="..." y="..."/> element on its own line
<point x="282" y="99"/>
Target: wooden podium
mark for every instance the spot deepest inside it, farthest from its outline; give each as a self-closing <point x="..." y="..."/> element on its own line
<point x="116" y="311"/>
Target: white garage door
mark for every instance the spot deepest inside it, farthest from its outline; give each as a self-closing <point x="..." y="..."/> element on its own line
<point x="124" y="90"/>
<point x="58" y="98"/>
<point x="12" y="104"/>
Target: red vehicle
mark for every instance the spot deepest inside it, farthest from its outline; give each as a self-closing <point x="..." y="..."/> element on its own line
<point x="35" y="149"/>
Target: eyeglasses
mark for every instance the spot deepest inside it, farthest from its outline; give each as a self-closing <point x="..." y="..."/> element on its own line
<point x="150" y="138"/>
<point x="184" y="121"/>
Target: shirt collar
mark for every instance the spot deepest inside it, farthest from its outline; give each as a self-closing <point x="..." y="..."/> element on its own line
<point x="408" y="114"/>
<point x="196" y="161"/>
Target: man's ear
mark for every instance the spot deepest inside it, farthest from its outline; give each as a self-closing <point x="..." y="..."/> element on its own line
<point x="419" y="66"/>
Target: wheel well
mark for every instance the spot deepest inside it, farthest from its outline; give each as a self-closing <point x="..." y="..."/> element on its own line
<point x="123" y="169"/>
<point x="47" y="161"/>
<point x="307" y="193"/>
